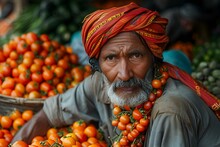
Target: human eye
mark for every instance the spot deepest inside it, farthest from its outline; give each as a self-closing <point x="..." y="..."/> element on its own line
<point x="110" y="57"/>
<point x="135" y="55"/>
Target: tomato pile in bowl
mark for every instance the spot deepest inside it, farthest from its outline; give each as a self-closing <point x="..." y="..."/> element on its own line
<point x="34" y="66"/>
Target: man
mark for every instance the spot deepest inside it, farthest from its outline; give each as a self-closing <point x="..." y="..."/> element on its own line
<point x="125" y="46"/>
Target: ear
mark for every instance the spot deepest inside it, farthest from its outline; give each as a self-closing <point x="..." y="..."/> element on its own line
<point x="94" y="65"/>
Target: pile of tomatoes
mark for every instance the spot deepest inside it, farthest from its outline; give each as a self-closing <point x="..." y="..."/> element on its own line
<point x="79" y="134"/>
<point x="33" y="66"/>
<point x="11" y="123"/>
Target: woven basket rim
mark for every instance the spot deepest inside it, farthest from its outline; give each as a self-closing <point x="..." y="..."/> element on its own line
<point x="17" y="100"/>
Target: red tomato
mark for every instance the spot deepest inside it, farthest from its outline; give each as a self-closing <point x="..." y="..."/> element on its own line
<point x="46" y="87"/>
<point x="50" y="60"/>
<point x="29" y="54"/>
<point x="32" y="86"/>
<point x="37" y="76"/>
<point x="59" y="72"/>
<point x="137" y="115"/>
<point x="36" y="47"/>
<point x="7" y="50"/>
<point x="44" y="37"/>
<point x="24" y="78"/>
<point x="8" y="83"/>
<point x="22" y="47"/>
<point x="47" y="75"/>
<point x="2" y="57"/>
<point x="63" y="63"/>
<point x="6" y="70"/>
<point x="31" y="37"/>
<point x="148" y="105"/>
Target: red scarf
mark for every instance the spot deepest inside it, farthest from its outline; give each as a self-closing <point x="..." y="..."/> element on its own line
<point x="212" y="101"/>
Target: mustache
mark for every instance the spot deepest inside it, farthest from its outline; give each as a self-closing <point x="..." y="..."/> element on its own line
<point x="133" y="82"/>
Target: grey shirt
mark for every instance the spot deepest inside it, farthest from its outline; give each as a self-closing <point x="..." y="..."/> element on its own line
<point x="179" y="117"/>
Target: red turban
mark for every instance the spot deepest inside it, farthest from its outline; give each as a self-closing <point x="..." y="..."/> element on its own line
<point x="102" y="25"/>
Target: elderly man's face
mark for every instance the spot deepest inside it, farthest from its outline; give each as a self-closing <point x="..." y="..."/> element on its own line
<point x="124" y="61"/>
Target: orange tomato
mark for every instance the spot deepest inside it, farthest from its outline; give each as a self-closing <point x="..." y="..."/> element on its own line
<point x="32" y="86"/>
<point x="90" y="131"/>
<point x="63" y="63"/>
<point x="61" y="87"/>
<point x="19" y="143"/>
<point x="85" y="144"/>
<point x="6" y="92"/>
<point x="37" y="138"/>
<point x="16" y="93"/>
<point x="8" y="83"/>
<point x="29" y="54"/>
<point x="27" y="115"/>
<point x="80" y="125"/>
<point x="6" y="122"/>
<point x="156" y="83"/>
<point x="22" y="68"/>
<point x="20" y="87"/>
<point x="15" y="114"/>
<point x="39" y="61"/>
<point x="28" y="61"/>
<point x="77" y="74"/>
<point x="13" y="55"/>
<point x="18" y="123"/>
<point x="3" y="143"/>
<point x="68" y="141"/>
<point x="36" y="67"/>
<point x="51" y="131"/>
<point x="92" y="140"/>
<point x="34" y="94"/>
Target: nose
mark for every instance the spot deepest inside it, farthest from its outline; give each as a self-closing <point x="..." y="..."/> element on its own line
<point x="125" y="72"/>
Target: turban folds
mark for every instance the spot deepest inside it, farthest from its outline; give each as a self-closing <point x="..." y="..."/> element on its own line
<point x="102" y="25"/>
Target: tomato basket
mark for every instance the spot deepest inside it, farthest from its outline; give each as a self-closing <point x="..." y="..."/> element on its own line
<point x="7" y="104"/>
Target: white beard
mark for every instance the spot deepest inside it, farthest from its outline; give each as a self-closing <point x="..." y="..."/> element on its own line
<point x="131" y="100"/>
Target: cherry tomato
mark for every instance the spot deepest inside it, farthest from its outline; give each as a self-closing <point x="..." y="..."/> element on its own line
<point x="32" y="86"/>
<point x="137" y="115"/>
<point x="140" y="128"/>
<point x="148" y="105"/>
<point x="144" y="122"/>
<point x="156" y="83"/>
<point x="152" y="97"/>
<point x="125" y="119"/>
<point x="47" y="75"/>
<point x="116" y="110"/>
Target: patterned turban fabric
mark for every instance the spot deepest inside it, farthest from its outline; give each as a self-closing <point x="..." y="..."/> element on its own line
<point x="102" y="25"/>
